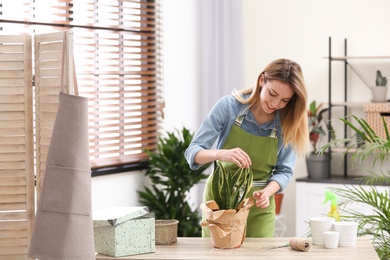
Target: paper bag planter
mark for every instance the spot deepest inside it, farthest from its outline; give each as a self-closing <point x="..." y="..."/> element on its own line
<point x="227" y="227"/>
<point x="123" y="231"/>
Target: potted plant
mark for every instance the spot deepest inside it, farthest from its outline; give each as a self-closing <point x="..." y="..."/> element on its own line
<point x="318" y="165"/>
<point x="227" y="213"/>
<point x="379" y="91"/>
<point x="171" y="180"/>
<point x="376" y="225"/>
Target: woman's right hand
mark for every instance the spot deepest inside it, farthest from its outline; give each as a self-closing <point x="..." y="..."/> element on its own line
<point x="235" y="155"/>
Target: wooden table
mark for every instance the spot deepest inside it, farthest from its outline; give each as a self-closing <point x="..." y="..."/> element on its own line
<point x="253" y="248"/>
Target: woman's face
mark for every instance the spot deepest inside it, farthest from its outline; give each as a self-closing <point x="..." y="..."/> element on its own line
<point x="274" y="95"/>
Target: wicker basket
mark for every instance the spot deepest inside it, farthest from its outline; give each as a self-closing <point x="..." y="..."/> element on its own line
<point x="166" y="231"/>
<point x="374" y="112"/>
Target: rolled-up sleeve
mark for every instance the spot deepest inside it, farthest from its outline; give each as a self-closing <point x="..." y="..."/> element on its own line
<point x="284" y="167"/>
<point x="216" y="121"/>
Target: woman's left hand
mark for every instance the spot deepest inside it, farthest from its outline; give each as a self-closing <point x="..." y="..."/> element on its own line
<point x="262" y="198"/>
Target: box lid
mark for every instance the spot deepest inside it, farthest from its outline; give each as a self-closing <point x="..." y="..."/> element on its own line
<point x="114" y="216"/>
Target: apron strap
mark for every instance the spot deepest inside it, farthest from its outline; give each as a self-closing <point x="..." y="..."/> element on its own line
<point x="273" y="133"/>
<point x="239" y="120"/>
<point x="258" y="183"/>
<point x="68" y="70"/>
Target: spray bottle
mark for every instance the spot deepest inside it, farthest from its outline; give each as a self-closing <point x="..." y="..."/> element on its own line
<point x="333" y="213"/>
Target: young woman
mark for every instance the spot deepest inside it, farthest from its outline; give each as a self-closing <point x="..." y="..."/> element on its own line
<point x="263" y="127"/>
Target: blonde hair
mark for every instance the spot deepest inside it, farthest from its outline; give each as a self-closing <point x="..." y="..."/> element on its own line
<point x="294" y="115"/>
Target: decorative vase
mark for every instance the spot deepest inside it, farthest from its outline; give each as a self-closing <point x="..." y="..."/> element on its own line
<point x="379" y="94"/>
<point x="227" y="227"/>
<point x="318" y="166"/>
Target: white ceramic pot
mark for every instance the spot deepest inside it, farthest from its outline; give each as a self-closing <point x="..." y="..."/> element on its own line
<point x="318" y="225"/>
<point x="318" y="240"/>
<point x="345" y="225"/>
<point x="348" y="232"/>
<point x="331" y="239"/>
<point x="379" y="94"/>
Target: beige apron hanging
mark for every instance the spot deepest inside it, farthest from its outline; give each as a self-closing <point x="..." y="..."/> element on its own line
<point x="63" y="227"/>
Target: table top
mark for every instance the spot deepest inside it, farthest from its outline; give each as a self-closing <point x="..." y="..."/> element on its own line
<point x="253" y="248"/>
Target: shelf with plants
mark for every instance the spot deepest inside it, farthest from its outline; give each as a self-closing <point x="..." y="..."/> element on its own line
<point x="346" y="104"/>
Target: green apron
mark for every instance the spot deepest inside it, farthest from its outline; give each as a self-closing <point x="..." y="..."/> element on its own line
<point x="263" y="153"/>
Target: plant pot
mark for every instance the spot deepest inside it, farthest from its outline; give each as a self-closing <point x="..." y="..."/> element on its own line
<point x="227" y="227"/>
<point x="278" y="202"/>
<point x="318" y="166"/>
<point x="379" y="94"/>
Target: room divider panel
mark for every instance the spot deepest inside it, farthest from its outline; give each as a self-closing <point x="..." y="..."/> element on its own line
<point x="16" y="146"/>
<point x="25" y="130"/>
<point x="48" y="68"/>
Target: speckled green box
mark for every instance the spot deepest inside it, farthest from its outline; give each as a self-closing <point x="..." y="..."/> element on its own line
<point x="123" y="231"/>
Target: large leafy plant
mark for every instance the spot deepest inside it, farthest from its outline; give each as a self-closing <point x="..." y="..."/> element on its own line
<point x="376" y="225"/>
<point x="171" y="180"/>
<point x="228" y="188"/>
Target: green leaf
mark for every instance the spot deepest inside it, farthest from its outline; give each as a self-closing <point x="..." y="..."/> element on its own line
<point x="386" y="129"/>
<point x="362" y="134"/>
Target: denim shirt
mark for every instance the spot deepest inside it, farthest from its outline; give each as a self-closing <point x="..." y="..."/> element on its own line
<point x="216" y="128"/>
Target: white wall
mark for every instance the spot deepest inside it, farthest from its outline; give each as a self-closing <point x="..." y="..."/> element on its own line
<point x="298" y="30"/>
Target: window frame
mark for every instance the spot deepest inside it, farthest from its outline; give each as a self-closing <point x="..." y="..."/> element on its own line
<point x="151" y="31"/>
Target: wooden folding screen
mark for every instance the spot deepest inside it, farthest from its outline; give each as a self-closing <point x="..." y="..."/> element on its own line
<point x="18" y="120"/>
<point x="49" y="53"/>
<point x="16" y="147"/>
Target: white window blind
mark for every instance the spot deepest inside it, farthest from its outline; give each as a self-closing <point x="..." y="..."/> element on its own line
<point x="117" y="49"/>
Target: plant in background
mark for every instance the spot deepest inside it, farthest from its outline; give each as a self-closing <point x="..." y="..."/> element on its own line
<point x="380" y="80"/>
<point x="317" y="125"/>
<point x="171" y="180"/>
<point x="376" y="225"/>
<point x="228" y="188"/>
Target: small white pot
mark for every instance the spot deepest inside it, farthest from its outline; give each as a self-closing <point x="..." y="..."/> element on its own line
<point x="379" y="94"/>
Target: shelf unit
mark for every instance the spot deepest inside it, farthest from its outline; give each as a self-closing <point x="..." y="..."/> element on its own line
<point x="346" y="103"/>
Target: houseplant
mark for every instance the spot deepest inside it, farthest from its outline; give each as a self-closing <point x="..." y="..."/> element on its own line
<point x="171" y="180"/>
<point x="318" y="165"/>
<point x="380" y="80"/>
<point x="229" y="189"/>
<point x="227" y="213"/>
<point x="379" y="91"/>
<point x="376" y="225"/>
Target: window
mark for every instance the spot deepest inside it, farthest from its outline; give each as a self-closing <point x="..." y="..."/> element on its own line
<point x="117" y="48"/>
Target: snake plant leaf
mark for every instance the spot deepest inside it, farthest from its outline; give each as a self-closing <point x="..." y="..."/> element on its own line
<point x="230" y="189"/>
<point x="219" y="180"/>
